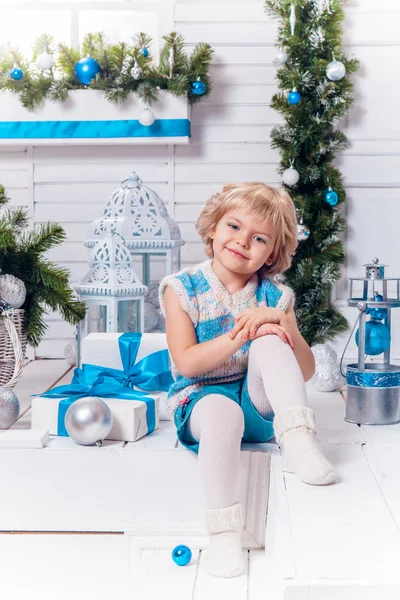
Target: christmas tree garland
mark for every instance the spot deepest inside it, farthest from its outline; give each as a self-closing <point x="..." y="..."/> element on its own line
<point x="117" y="70"/>
<point x="316" y="92"/>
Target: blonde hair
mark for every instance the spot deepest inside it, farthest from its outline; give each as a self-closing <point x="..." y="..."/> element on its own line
<point x="266" y="202"/>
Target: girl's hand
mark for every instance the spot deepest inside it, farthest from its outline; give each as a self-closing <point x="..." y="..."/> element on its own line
<point x="249" y="320"/>
<point x="271" y="328"/>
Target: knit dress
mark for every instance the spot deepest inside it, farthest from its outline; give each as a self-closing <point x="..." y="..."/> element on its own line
<point x="212" y="310"/>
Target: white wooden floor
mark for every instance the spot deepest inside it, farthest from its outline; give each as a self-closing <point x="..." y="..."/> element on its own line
<point x="338" y="542"/>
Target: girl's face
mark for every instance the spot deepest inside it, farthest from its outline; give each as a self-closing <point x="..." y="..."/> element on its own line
<point x="242" y="243"/>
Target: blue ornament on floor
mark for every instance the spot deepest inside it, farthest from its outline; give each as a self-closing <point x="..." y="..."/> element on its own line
<point x="181" y="555"/>
<point x="16" y="73"/>
<point x="331" y="197"/>
<point x="377" y="338"/>
<point x="198" y="87"/>
<point x="294" y="97"/>
<point x="145" y="52"/>
<point x="86" y="69"/>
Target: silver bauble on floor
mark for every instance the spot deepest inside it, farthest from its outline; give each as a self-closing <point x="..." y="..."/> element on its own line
<point x="9" y="408"/>
<point x="88" y="421"/>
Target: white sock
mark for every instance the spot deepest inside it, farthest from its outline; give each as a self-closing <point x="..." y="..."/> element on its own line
<point x="295" y="433"/>
<point x="224" y="556"/>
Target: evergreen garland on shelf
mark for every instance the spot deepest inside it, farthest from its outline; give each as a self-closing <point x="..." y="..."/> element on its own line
<point x="311" y="103"/>
<point x="22" y="254"/>
<point x="176" y="72"/>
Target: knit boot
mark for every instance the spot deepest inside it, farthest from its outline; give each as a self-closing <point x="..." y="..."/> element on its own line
<point x="224" y="554"/>
<point x="295" y="432"/>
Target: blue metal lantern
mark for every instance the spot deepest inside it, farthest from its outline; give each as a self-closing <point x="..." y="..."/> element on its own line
<point x="373" y="389"/>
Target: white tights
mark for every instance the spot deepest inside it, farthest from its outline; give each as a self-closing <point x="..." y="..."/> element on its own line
<point x="275" y="383"/>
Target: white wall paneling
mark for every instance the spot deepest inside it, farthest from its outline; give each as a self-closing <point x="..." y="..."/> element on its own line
<point x="231" y="141"/>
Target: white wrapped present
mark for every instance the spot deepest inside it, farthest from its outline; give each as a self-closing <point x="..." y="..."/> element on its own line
<point x="102" y="349"/>
<point x="129" y="417"/>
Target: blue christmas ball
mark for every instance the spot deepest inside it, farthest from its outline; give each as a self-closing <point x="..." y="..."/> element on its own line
<point x="145" y="52"/>
<point x="377" y="313"/>
<point x="377" y="338"/>
<point x="86" y="69"/>
<point x="181" y="555"/>
<point x="16" y="73"/>
<point x="198" y="87"/>
<point x="294" y="97"/>
<point x="331" y="197"/>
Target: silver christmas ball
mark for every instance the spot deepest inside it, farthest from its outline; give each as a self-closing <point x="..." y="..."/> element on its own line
<point x="281" y="58"/>
<point x="335" y="70"/>
<point x="303" y="233"/>
<point x="151" y="316"/>
<point x="9" y="408"/>
<point x="12" y="290"/>
<point x="290" y="176"/>
<point x="136" y="71"/>
<point x="152" y="294"/>
<point x="44" y="61"/>
<point x="71" y="352"/>
<point x="88" y="421"/>
<point x="146" y="117"/>
<point x="327" y="377"/>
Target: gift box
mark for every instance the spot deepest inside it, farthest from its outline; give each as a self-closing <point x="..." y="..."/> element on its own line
<point x="129" y="417"/>
<point x="103" y="349"/>
<point x="130" y="390"/>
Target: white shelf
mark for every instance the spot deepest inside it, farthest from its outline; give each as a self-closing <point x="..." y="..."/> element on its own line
<point x="88" y="118"/>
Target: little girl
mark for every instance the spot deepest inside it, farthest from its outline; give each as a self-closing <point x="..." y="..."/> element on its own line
<point x="239" y="361"/>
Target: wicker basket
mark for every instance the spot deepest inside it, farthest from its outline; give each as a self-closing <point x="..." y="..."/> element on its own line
<point x="12" y="347"/>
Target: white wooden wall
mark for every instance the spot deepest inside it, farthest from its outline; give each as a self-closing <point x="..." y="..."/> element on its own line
<point x="230" y="141"/>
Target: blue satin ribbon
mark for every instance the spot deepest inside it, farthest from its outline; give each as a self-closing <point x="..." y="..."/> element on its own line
<point x="93" y="129"/>
<point x="151" y="374"/>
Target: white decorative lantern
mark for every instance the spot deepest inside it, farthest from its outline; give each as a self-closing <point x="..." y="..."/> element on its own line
<point x="138" y="214"/>
<point x="110" y="282"/>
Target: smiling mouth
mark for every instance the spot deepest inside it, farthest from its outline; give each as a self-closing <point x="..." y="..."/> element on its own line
<point x="237" y="254"/>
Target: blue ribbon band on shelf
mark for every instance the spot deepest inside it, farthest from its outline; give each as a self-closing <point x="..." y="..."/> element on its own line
<point x="151" y="373"/>
<point x="93" y="129"/>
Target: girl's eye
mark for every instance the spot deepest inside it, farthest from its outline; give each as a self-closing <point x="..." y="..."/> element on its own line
<point x="233" y="226"/>
<point x="258" y="239"/>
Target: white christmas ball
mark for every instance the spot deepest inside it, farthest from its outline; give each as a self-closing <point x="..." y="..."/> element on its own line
<point x="9" y="408"/>
<point x="88" y="420"/>
<point x="12" y="290"/>
<point x="44" y="61"/>
<point x="335" y="70"/>
<point x="290" y="176"/>
<point x="280" y="58"/>
<point x="146" y="117"/>
<point x="327" y="377"/>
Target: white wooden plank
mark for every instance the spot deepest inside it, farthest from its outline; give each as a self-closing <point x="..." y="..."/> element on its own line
<point x="367" y="170"/>
<point x="86" y="192"/>
<point x="232" y="133"/>
<point x="188" y="212"/>
<point x="100" y="154"/>
<point x="18" y="196"/>
<point x="262" y="32"/>
<point x="329" y="408"/>
<point x="164" y="579"/>
<point x="232" y="114"/>
<point x="89" y="566"/>
<point x="238" y="12"/>
<point x="226" y="153"/>
<point x="373" y="27"/>
<point x="268" y="571"/>
<point x="16" y="178"/>
<point x="326" y="518"/>
<point x="51" y="348"/>
<point x="90" y="172"/>
<point x="65" y="213"/>
<point x="237" y="54"/>
<point x="240" y="94"/>
<point x="208" y="586"/>
<point x="224" y="73"/>
<point x="226" y="172"/>
<point x="384" y="462"/>
<point x="187" y="193"/>
<point x="388" y="435"/>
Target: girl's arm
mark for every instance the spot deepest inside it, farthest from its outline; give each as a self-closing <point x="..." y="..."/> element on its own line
<point x="190" y="357"/>
<point x="302" y="350"/>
